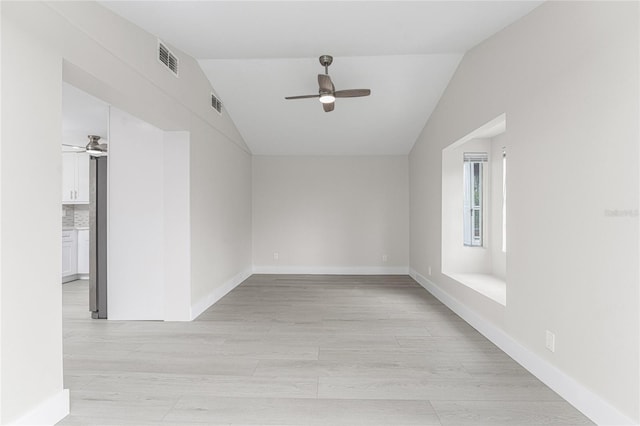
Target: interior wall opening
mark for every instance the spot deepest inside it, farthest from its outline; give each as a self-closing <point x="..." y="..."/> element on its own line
<point x="119" y="228"/>
<point x="85" y="128"/>
<point x="474" y="210"/>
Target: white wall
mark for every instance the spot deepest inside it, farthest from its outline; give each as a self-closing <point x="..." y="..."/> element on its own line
<point x="42" y="43"/>
<point x="30" y="191"/>
<point x="135" y="247"/>
<point x="330" y="214"/>
<point x="566" y="75"/>
<point x="220" y="216"/>
<point x="177" y="227"/>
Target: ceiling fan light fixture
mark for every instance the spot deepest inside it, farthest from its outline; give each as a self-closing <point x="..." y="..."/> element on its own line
<point x="327" y="92"/>
<point x="327" y="98"/>
<point x="94" y="147"/>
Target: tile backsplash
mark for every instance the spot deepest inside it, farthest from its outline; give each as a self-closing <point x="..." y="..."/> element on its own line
<point x="75" y="215"/>
<point x="81" y="215"/>
<point x="68" y="219"/>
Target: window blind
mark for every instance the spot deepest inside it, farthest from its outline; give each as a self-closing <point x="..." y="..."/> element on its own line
<point x="476" y="157"/>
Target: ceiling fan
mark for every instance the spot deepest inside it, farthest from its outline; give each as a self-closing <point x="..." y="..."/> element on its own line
<point x="327" y="92"/>
<point x="93" y="148"/>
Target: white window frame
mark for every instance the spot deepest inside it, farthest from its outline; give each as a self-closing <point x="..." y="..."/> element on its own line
<point x="473" y="206"/>
<point x="504" y="200"/>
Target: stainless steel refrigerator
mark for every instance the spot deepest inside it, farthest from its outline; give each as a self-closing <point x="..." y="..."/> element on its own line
<point x="98" y="237"/>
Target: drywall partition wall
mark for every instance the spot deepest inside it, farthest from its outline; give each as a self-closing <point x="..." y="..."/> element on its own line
<point x="330" y="214"/>
<point x="135" y="246"/>
<point x="111" y="59"/>
<point x="220" y="216"/>
<point x="177" y="227"/>
<point x="31" y="304"/>
<point x="571" y="98"/>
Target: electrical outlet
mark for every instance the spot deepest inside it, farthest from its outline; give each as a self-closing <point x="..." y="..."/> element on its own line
<point x="550" y="341"/>
<point x="429" y="270"/>
<point x="276" y="255"/>
<point x="384" y="257"/>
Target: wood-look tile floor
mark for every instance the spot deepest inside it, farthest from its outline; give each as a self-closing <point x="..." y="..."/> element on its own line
<point x="300" y="350"/>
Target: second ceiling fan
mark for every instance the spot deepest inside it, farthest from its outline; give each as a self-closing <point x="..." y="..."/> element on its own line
<point x="327" y="93"/>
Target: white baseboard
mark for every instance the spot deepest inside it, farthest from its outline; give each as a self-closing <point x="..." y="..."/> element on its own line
<point x="590" y="404"/>
<point x="74" y="277"/>
<point x="332" y="270"/>
<point x="203" y="304"/>
<point x="69" y="278"/>
<point x="48" y="412"/>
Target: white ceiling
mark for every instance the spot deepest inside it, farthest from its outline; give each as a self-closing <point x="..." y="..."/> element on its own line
<point x="256" y="53"/>
<point x="82" y="115"/>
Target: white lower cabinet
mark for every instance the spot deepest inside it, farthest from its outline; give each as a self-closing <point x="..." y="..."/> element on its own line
<point x="83" y="251"/>
<point x="69" y="253"/>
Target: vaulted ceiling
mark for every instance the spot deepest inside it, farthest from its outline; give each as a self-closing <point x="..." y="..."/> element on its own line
<point x="256" y="53"/>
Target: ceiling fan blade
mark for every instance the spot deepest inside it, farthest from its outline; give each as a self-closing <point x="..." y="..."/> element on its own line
<point x="352" y="93"/>
<point x="328" y="107"/>
<point x="324" y="81"/>
<point x="75" y="147"/>
<point x="302" y="97"/>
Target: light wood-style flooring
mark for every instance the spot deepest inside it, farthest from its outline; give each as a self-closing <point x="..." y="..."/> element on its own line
<point x="300" y="350"/>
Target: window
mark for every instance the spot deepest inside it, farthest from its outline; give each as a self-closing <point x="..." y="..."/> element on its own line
<point x="473" y="198"/>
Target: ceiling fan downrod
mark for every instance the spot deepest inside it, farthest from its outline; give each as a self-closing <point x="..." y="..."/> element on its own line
<point x="325" y="61"/>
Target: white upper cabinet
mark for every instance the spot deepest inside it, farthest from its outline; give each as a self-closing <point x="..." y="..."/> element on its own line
<point x="75" y="178"/>
<point x="68" y="176"/>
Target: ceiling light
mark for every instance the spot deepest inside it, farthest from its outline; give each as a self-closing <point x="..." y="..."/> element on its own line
<point x="96" y="152"/>
<point x="327" y="98"/>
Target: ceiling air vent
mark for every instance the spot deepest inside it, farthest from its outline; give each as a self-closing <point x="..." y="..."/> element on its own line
<point x="216" y="103"/>
<point x="167" y="58"/>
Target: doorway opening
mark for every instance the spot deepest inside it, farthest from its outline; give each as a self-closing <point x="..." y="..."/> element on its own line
<point x="85" y="128"/>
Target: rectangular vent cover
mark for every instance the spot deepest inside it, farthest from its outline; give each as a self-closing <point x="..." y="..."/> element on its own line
<point x="216" y="103"/>
<point x="167" y="58"/>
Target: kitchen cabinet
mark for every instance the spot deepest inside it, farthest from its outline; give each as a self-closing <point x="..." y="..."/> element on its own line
<point x="83" y="252"/>
<point x="69" y="171"/>
<point x="69" y="253"/>
<point x="75" y="178"/>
